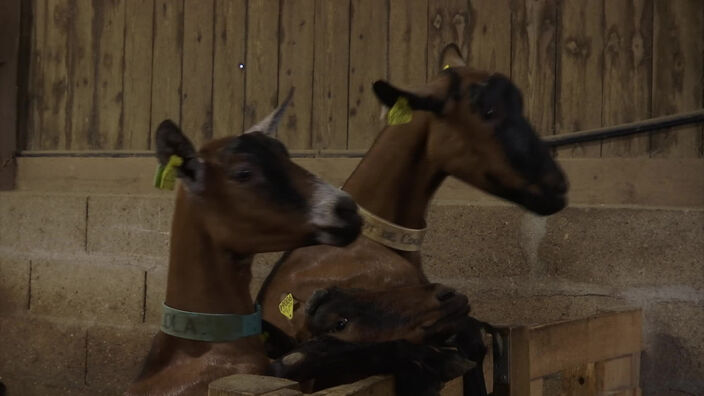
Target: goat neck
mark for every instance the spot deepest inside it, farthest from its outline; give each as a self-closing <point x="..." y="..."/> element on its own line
<point x="397" y="165"/>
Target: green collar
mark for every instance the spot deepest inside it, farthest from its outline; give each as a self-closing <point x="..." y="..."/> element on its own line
<point x="210" y="327"/>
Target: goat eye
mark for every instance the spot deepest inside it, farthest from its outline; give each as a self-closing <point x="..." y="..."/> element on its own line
<point x="242" y="175"/>
<point x="340" y="325"/>
<point x="489" y="114"/>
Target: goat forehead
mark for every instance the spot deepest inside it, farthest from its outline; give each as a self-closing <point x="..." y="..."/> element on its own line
<point x="271" y="158"/>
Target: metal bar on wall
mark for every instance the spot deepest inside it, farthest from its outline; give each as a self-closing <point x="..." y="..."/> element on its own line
<point x="652" y="124"/>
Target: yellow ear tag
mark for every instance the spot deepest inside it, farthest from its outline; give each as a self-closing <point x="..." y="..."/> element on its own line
<point x="286" y="306"/>
<point x="165" y="177"/>
<point x="400" y="113"/>
<point x="446" y="67"/>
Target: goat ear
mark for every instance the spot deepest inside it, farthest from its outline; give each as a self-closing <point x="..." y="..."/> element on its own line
<point x="171" y="141"/>
<point x="319" y="296"/>
<point x="451" y="56"/>
<point x="269" y="124"/>
<point x="388" y="95"/>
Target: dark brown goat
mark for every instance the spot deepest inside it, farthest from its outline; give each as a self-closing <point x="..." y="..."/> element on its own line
<point x="465" y="123"/>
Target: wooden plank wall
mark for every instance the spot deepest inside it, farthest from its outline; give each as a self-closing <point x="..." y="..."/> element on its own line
<point x="105" y="73"/>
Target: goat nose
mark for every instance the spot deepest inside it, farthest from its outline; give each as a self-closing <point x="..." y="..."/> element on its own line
<point x="345" y="207"/>
<point x="445" y="294"/>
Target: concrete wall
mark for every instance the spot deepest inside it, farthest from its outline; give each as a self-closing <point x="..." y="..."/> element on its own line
<point x="82" y="277"/>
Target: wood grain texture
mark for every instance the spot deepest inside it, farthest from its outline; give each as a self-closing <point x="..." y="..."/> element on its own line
<point x="553" y="347"/>
<point x="50" y="75"/>
<point x="167" y="62"/>
<point x="615" y="374"/>
<point x="490" y="36"/>
<point x="228" y="78"/>
<point x="137" y="98"/>
<point x="579" y="381"/>
<point x="262" y="68"/>
<point x="109" y="27"/>
<point x="197" y="93"/>
<point x="296" y="49"/>
<point x="36" y="89"/>
<point x="368" y="62"/>
<point x="408" y="42"/>
<point x="533" y="61"/>
<point x="80" y="127"/>
<point x="9" y="56"/>
<point x="627" y="72"/>
<point x="579" y="84"/>
<point x="448" y="22"/>
<point x="330" y="74"/>
<point x="678" y="43"/>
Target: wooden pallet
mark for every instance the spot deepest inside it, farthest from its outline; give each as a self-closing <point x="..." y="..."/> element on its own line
<point x="595" y="356"/>
<point x="598" y="355"/>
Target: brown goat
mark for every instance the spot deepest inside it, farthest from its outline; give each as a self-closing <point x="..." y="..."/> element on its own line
<point x="465" y="123"/>
<point x="238" y="196"/>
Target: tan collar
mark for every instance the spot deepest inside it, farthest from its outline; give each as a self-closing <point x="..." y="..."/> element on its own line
<point x="390" y="234"/>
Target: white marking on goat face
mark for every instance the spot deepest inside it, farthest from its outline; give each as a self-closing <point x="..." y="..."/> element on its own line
<point x="323" y="213"/>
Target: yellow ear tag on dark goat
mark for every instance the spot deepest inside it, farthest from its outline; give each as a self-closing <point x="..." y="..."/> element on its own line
<point x="400" y="113"/>
<point x="286" y="306"/>
<point x="165" y="177"/>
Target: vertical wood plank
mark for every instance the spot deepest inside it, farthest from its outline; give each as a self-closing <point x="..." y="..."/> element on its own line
<point x="36" y="76"/>
<point x="448" y="22"/>
<point x="614" y="374"/>
<point x="197" y="94"/>
<point x="533" y="62"/>
<point x="9" y="56"/>
<point x="51" y="95"/>
<point x="331" y="71"/>
<point x="167" y="62"/>
<point x="139" y="16"/>
<point x="109" y="27"/>
<point x="80" y="130"/>
<point x="368" y="62"/>
<point x="677" y="73"/>
<point x="490" y="36"/>
<point x="627" y="72"/>
<point x="296" y="48"/>
<point x="580" y="73"/>
<point x="579" y="381"/>
<point x="536" y="387"/>
<point x="408" y="42"/>
<point x="261" y="86"/>
<point x="228" y="78"/>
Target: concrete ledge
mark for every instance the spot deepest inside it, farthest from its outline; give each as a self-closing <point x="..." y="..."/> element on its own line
<point x="673" y="361"/>
<point x="470" y="241"/>
<point x="14" y="288"/>
<point x="37" y="348"/>
<point x="115" y="356"/>
<point x="129" y="225"/>
<point x="155" y="295"/>
<point x="49" y="222"/>
<point x="626" y="247"/>
<point x="642" y="181"/>
<point x="87" y="291"/>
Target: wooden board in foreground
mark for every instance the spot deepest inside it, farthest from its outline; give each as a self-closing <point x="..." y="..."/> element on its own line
<point x="593" y="356"/>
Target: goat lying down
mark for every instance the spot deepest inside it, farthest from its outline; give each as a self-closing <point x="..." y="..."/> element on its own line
<point x="421" y="334"/>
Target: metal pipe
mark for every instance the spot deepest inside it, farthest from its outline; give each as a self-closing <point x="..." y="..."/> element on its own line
<point x="632" y="128"/>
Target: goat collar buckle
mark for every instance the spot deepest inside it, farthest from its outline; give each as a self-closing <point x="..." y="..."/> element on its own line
<point x="210" y="327"/>
<point x="390" y="234"/>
